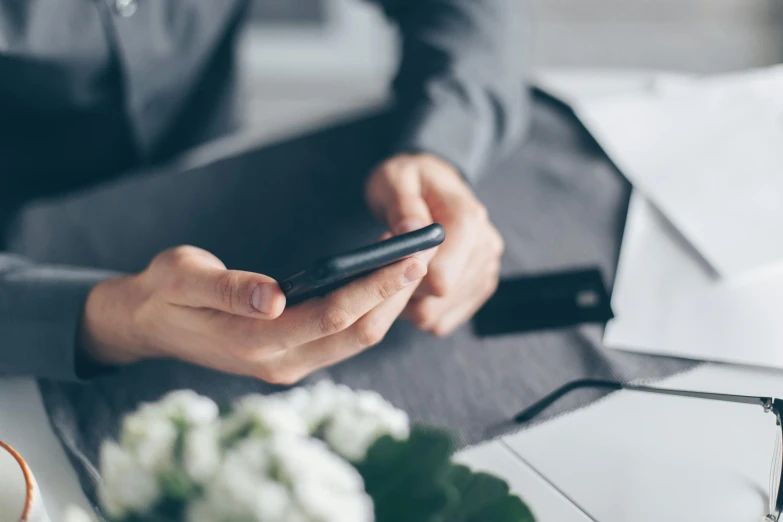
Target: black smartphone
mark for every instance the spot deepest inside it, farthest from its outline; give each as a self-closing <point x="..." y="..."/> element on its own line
<point x="330" y="273"/>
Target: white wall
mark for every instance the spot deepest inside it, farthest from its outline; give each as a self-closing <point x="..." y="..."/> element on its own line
<point x="689" y="35"/>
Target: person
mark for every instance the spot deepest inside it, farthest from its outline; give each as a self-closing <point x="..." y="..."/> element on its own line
<point x="91" y="90"/>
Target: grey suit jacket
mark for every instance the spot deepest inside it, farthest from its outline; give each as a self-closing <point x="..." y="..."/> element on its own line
<point x="92" y="88"/>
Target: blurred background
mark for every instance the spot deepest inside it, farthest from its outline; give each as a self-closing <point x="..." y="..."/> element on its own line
<point x="309" y="62"/>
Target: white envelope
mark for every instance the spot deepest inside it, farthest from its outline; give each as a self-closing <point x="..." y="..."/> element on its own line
<point x="666" y="302"/>
<point x="669" y="297"/>
<point x="709" y="155"/>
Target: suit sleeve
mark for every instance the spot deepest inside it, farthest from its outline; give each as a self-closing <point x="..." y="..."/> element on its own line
<point x="459" y="91"/>
<point x="40" y="312"/>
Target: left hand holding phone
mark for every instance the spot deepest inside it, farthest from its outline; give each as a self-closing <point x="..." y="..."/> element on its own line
<point x="187" y="305"/>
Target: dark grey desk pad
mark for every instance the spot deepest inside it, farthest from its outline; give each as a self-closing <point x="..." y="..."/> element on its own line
<point x="558" y="202"/>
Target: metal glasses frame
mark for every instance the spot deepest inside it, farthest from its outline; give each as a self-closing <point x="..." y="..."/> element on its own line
<point x="769" y="404"/>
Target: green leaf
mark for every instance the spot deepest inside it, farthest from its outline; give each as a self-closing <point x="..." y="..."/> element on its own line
<point x="416" y="481"/>
<point x="430" y="507"/>
<point x="152" y="517"/>
<point x="408" y="480"/>
<point x="420" y="459"/>
<point x="460" y="476"/>
<point x="477" y="492"/>
<point x="507" y="509"/>
<point x="485" y="497"/>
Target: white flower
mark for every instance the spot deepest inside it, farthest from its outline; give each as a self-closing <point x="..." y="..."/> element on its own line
<point x="151" y="439"/>
<point x="273" y="470"/>
<point x="327" y="488"/>
<point x="127" y="486"/>
<point x="254" y="453"/>
<point x="266" y="415"/>
<point x="295" y="515"/>
<point x="242" y="489"/>
<point x="150" y="432"/>
<point x="297" y="398"/>
<point x="309" y="459"/>
<point x="189" y="407"/>
<point x="202" y="453"/>
<point x="359" y="420"/>
<point x="201" y="511"/>
<point x="322" y="504"/>
<point x="325" y="398"/>
<point x="283" y="478"/>
<point x="239" y="493"/>
<point x="350" y="421"/>
<point x="75" y="514"/>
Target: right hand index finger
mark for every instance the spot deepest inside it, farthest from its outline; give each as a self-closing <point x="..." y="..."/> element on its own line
<point x="321" y="317"/>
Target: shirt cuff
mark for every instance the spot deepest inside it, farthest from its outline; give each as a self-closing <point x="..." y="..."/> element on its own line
<point x="42" y="308"/>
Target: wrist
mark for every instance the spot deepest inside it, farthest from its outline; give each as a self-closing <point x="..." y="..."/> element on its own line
<point x="106" y="335"/>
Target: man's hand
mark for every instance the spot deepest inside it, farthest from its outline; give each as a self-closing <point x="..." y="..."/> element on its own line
<point x="187" y="305"/>
<point x="408" y="192"/>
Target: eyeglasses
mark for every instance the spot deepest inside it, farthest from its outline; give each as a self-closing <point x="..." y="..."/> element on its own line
<point x="769" y="404"/>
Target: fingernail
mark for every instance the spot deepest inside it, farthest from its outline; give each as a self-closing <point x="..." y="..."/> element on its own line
<point x="262" y="298"/>
<point x="408" y="225"/>
<point x="414" y="272"/>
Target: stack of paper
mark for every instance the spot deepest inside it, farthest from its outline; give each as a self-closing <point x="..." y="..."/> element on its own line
<point x="701" y="267"/>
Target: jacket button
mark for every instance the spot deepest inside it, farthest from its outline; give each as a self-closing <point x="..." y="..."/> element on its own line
<point x="126" y="8"/>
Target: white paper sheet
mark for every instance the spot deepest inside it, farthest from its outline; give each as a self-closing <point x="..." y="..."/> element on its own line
<point x="710" y="156"/>
<point x="666" y="302"/>
<point x="575" y="86"/>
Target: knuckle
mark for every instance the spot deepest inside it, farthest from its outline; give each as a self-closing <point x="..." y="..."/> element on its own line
<point x="284" y="343"/>
<point x="335" y="319"/>
<point x="394" y="169"/>
<point x="241" y="353"/>
<point x="408" y="167"/>
<point x="499" y="244"/>
<point x="493" y="284"/>
<point x="496" y="269"/>
<point x="180" y="255"/>
<point x="279" y="375"/>
<point x="440" y="330"/>
<point x="176" y="284"/>
<point x="496" y="276"/>
<point x="439" y="284"/>
<point x="421" y="317"/>
<point x="479" y="212"/>
<point x="370" y="333"/>
<point x="385" y="289"/>
<point x="227" y="289"/>
<point x="251" y="353"/>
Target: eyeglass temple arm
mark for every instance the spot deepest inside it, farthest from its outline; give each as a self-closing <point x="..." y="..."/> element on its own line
<point x="534" y="409"/>
<point x="779" y="498"/>
<point x="545" y="402"/>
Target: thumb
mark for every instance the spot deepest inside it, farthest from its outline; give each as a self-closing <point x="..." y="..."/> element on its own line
<point x="204" y="285"/>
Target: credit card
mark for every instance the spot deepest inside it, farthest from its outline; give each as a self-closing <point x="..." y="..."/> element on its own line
<point x="545" y="301"/>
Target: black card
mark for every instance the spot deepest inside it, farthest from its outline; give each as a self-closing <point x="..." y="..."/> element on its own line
<point x="545" y="301"/>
